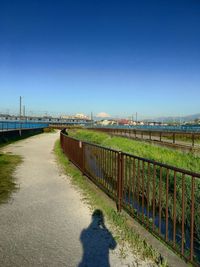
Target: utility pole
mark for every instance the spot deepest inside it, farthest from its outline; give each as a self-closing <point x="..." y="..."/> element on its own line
<point x="136" y="117"/>
<point x="24" y="114"/>
<point x="91" y="118"/>
<point x="180" y="120"/>
<point x="20" y="115"/>
<point x="20" y="107"/>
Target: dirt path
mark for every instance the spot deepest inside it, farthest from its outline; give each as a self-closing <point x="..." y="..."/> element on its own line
<point x="43" y="224"/>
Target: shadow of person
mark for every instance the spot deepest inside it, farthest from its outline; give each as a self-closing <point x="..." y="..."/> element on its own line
<point x="96" y="241"/>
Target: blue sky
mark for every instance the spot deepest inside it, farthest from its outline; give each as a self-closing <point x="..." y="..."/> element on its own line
<point x="118" y="57"/>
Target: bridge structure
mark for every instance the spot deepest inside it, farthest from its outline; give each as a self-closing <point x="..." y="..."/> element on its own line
<point x="17" y="125"/>
<point x="8" y="125"/>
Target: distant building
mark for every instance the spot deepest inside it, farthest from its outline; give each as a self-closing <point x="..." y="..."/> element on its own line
<point x="46" y="119"/>
<point x="154" y="123"/>
<point x="81" y="116"/>
<point x="65" y="117"/>
<point x="123" y="122"/>
<point x="106" y="122"/>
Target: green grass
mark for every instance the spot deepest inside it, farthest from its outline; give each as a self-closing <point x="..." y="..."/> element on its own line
<point x="123" y="232"/>
<point x="187" y="139"/>
<point x="179" y="159"/>
<point x="49" y="130"/>
<point x="8" y="185"/>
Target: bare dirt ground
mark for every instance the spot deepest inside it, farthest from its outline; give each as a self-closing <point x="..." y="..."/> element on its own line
<point x="46" y="223"/>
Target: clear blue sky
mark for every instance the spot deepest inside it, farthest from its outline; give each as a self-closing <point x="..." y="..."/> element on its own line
<point x="119" y="57"/>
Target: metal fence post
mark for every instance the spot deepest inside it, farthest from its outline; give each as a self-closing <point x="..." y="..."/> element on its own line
<point x="119" y="182"/>
<point x="174" y="139"/>
<point x="192" y="140"/>
<point x="83" y="158"/>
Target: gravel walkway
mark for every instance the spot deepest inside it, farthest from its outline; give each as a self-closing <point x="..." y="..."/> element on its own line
<point x="46" y="223"/>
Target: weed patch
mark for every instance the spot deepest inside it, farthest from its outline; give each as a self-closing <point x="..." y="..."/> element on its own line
<point x="8" y="163"/>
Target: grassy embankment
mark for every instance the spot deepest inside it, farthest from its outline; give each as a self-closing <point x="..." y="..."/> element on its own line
<point x="8" y="164"/>
<point x="98" y="201"/>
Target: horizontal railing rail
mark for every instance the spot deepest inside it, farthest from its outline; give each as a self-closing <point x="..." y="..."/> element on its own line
<point x="166" y="128"/>
<point x="165" y="199"/>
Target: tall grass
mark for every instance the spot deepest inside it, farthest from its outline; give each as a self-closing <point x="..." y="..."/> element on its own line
<point x="8" y="185"/>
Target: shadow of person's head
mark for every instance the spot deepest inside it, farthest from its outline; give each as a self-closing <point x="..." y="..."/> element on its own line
<point x="98" y="218"/>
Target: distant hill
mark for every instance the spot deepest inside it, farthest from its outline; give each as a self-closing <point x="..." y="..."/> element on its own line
<point x="176" y="118"/>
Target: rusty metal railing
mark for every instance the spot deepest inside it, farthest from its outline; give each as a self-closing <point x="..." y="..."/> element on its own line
<point x="165" y="199"/>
